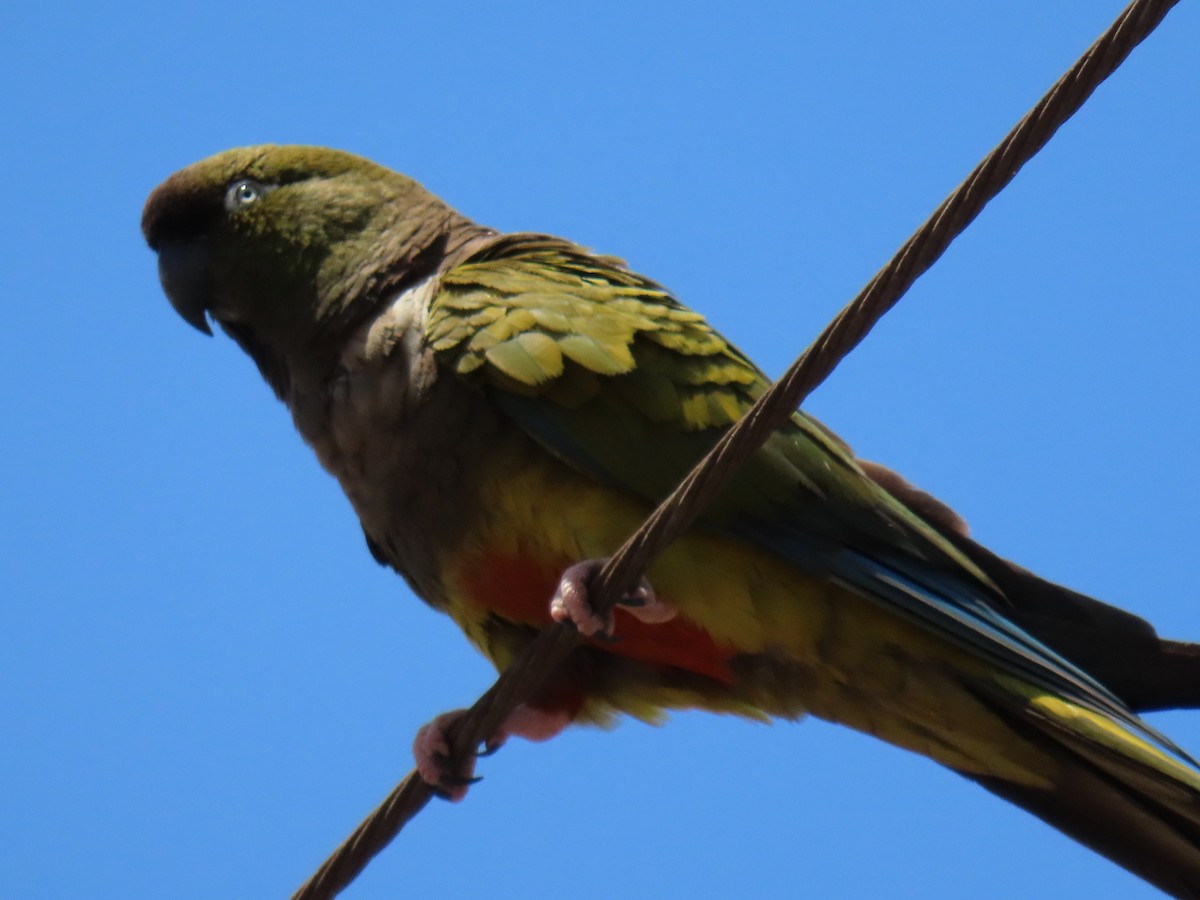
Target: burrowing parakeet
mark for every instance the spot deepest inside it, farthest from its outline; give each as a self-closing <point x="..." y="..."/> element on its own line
<point x="504" y="409"/>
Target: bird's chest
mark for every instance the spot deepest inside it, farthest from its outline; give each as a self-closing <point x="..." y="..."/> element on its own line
<point x="408" y="444"/>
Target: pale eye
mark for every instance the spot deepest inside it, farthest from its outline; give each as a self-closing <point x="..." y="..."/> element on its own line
<point x="243" y="193"/>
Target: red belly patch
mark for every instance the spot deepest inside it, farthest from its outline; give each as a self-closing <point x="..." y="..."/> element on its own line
<point x="520" y="589"/>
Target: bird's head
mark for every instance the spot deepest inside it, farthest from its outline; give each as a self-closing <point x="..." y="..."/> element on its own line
<point x="288" y="247"/>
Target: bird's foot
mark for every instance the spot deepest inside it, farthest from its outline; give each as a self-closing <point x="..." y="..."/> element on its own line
<point x="432" y="750"/>
<point x="432" y="753"/>
<point x="572" y="602"/>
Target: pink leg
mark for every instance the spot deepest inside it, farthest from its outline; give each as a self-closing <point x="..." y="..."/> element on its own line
<point x="571" y="602"/>
<point x="432" y="751"/>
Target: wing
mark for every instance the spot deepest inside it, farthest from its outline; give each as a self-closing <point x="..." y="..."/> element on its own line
<point x="614" y="376"/>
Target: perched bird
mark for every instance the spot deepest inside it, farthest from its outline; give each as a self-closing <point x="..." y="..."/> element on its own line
<point x="502" y="410"/>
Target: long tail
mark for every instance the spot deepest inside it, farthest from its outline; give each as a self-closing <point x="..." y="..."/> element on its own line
<point x="1114" y="790"/>
<point x="1125" y="799"/>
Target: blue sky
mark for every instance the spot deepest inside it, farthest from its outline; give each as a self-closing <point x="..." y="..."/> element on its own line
<point x="206" y="681"/>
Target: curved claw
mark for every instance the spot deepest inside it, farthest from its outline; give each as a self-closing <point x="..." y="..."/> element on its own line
<point x="488" y="748"/>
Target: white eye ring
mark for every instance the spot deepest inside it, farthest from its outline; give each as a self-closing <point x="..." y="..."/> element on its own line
<point x="242" y="193"/>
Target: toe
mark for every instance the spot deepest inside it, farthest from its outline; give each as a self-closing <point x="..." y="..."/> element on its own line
<point x="432" y="753"/>
<point x="572" y="603"/>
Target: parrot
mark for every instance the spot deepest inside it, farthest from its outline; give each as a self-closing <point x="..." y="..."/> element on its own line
<point x="503" y="409"/>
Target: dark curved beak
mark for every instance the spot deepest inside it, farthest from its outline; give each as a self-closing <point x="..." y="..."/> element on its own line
<point x="183" y="269"/>
<point x="175" y="222"/>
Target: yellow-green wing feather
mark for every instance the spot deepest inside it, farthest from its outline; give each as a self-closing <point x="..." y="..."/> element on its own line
<point x="618" y="366"/>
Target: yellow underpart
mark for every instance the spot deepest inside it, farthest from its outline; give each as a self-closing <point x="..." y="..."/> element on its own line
<point x="855" y="662"/>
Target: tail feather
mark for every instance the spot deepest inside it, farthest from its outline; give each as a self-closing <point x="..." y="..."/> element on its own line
<point x="1120" y="650"/>
<point x="1141" y="809"/>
